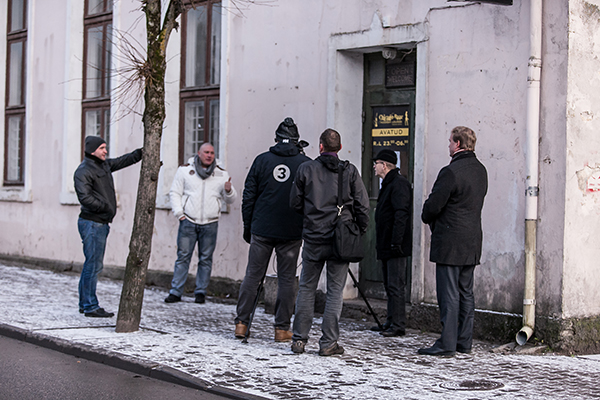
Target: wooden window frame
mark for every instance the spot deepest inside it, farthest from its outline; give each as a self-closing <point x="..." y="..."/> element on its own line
<point x="101" y="103"/>
<point x="16" y="36"/>
<point x="204" y="93"/>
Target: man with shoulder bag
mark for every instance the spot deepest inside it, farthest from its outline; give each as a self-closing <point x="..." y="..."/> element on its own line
<point x="315" y="195"/>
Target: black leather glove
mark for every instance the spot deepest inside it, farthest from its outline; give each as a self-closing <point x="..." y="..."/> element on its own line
<point x="247" y="234"/>
<point x="397" y="250"/>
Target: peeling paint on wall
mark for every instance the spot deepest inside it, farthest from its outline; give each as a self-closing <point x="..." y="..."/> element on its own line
<point x="589" y="179"/>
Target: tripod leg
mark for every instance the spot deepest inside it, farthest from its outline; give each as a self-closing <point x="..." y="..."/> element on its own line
<point x="365" y="299"/>
<point x="258" y="292"/>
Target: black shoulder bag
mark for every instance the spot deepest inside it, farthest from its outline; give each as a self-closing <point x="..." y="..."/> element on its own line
<point x="347" y="244"/>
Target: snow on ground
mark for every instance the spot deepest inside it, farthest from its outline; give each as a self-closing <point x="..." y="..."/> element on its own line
<point x="198" y="339"/>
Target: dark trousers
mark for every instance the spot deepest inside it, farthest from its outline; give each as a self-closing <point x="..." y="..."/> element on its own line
<point x="457" y="306"/>
<point x="394" y="282"/>
<point x="261" y="249"/>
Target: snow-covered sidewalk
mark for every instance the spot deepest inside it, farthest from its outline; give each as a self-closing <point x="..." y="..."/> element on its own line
<point x="198" y="340"/>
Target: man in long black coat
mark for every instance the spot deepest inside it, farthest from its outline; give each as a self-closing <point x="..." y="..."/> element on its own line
<point x="394" y="238"/>
<point x="453" y="211"/>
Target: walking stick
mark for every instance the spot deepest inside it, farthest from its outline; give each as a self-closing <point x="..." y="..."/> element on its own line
<point x="365" y="299"/>
<point x="258" y="292"/>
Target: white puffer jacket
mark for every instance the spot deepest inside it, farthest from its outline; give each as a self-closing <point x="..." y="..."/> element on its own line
<point x="199" y="200"/>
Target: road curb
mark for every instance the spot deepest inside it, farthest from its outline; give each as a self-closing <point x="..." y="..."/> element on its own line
<point x="122" y="361"/>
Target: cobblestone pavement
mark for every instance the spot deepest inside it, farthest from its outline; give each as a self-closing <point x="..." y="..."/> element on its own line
<point x="198" y="339"/>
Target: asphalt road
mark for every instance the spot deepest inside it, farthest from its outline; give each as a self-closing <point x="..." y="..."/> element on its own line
<point x="28" y="372"/>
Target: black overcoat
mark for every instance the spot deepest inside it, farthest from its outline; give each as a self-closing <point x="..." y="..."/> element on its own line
<point x="393" y="217"/>
<point x="453" y="211"/>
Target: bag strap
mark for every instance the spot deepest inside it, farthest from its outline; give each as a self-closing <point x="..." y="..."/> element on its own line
<point x="340" y="206"/>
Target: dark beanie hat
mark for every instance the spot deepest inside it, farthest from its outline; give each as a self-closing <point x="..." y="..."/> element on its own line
<point x="387" y="155"/>
<point x="287" y="130"/>
<point x="92" y="143"/>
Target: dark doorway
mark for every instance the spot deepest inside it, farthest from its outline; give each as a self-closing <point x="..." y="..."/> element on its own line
<point x="388" y="122"/>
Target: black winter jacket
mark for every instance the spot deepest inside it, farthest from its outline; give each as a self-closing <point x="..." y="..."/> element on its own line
<point x="95" y="187"/>
<point x="266" y="199"/>
<point x="314" y="194"/>
<point x="453" y="211"/>
<point x="393" y="217"/>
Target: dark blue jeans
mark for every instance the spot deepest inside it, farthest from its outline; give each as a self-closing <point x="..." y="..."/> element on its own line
<point x="261" y="249"/>
<point x="93" y="235"/>
<point x="188" y="235"/>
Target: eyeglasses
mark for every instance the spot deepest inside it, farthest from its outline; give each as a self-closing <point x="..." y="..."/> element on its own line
<point x="377" y="162"/>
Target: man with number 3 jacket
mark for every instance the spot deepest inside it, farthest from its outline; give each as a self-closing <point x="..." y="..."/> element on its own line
<point x="270" y="223"/>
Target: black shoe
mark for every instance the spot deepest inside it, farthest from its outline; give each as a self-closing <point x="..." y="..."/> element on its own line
<point x="393" y="332"/>
<point x="200" y="298"/>
<point x="463" y="350"/>
<point x="384" y="327"/>
<point x="171" y="298"/>
<point x="81" y="311"/>
<point x="332" y="350"/>
<point x="298" y="346"/>
<point x="435" y="351"/>
<point x="99" y="313"/>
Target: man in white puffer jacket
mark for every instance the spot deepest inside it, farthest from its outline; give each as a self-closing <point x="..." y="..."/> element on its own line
<point x="197" y="193"/>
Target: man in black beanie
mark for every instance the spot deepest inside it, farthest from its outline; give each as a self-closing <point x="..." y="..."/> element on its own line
<point x="270" y="223"/>
<point x="96" y="193"/>
<point x="394" y="238"/>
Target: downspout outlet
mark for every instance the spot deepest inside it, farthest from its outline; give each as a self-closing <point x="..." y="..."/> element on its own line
<point x="523" y="335"/>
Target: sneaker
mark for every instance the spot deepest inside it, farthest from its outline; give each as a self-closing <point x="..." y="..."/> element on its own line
<point x="99" y="313"/>
<point x="200" y="298"/>
<point x="281" y="335"/>
<point x="298" y="346"/>
<point x="240" y="330"/>
<point x="332" y="350"/>
<point x="171" y="298"/>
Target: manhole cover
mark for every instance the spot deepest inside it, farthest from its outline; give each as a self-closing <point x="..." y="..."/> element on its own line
<point x="472" y="385"/>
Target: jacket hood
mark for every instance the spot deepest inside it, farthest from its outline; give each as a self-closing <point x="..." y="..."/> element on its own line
<point x="330" y="162"/>
<point x="285" y="149"/>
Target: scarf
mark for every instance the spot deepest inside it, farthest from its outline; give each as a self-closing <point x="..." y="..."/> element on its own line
<point x="203" y="172"/>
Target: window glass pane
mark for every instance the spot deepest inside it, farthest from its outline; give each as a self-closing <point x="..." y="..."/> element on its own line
<point x="95" y="7"/>
<point x="215" y="45"/>
<point x="213" y="124"/>
<point x="107" y="127"/>
<point x="15" y="74"/>
<point x="16" y="16"/>
<point x="195" y="55"/>
<point x="94" y="63"/>
<point x="376" y="72"/>
<point x="194" y="127"/>
<point x="93" y="123"/>
<point x="108" y="60"/>
<point x="13" y="143"/>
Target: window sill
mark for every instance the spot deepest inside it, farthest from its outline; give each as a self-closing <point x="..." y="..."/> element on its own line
<point x="16" y="194"/>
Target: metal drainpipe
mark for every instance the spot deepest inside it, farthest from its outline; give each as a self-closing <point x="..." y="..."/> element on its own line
<point x="532" y="159"/>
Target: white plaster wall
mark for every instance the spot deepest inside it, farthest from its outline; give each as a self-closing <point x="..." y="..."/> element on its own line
<point x="303" y="58"/>
<point x="581" y="297"/>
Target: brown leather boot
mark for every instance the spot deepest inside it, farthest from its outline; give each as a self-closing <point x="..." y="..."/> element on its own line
<point x="240" y="330"/>
<point x="282" y="335"/>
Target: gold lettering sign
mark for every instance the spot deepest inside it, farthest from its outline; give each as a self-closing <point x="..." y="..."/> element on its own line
<point x="390" y="132"/>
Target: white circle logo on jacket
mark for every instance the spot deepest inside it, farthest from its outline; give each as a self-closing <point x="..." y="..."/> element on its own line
<point x="281" y="173"/>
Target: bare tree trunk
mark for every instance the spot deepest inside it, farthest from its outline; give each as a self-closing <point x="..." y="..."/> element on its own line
<point x="140" y="245"/>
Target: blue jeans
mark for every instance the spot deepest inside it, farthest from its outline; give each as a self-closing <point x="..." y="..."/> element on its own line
<point x="188" y="235"/>
<point x="93" y="235"/>
<point x="261" y="249"/>
<point x="313" y="260"/>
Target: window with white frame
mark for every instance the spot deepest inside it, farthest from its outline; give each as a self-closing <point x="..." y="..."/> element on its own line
<point x="14" y="130"/>
<point x="200" y="76"/>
